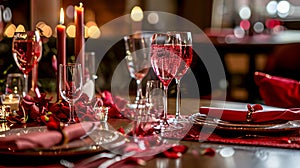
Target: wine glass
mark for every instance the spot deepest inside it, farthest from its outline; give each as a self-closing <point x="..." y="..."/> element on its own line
<point x="70" y="86"/>
<point x="165" y="61"/>
<point x="26" y="50"/>
<point x="137" y="48"/>
<point x="184" y="40"/>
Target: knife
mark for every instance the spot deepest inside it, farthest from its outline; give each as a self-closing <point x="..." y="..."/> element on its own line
<point x="116" y="159"/>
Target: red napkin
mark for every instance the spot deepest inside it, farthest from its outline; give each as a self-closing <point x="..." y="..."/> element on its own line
<point x="278" y="91"/>
<point x="258" y="114"/>
<point x="45" y="139"/>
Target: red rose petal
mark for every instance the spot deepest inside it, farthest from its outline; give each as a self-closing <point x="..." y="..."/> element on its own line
<point x="121" y="130"/>
<point x="172" y="155"/>
<point x="180" y="148"/>
<point x="208" y="152"/>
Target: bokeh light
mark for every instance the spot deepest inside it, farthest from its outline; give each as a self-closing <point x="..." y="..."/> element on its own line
<point x="71" y="30"/>
<point x="20" y="28"/>
<point x="239" y="32"/>
<point x="258" y="27"/>
<point x="153" y="18"/>
<point x="245" y="24"/>
<point x="70" y="12"/>
<point x="10" y="30"/>
<point x="271" y="23"/>
<point x="45" y="29"/>
<point x="245" y="13"/>
<point x="94" y="32"/>
<point x="271" y="8"/>
<point x="283" y="8"/>
<point x="137" y="14"/>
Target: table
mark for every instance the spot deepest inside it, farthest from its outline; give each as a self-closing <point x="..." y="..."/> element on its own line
<point x="254" y="45"/>
<point x="244" y="156"/>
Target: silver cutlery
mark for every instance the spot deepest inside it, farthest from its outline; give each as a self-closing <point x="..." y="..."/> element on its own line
<point x="116" y="159"/>
<point x="103" y="155"/>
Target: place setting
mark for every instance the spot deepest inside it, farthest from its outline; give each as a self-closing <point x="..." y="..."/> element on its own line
<point x="252" y="119"/>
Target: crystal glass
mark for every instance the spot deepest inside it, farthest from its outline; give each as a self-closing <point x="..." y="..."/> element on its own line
<point x="70" y="86"/>
<point x="11" y="100"/>
<point x="184" y="42"/>
<point x="26" y="50"/>
<point x="137" y="48"/>
<point x="15" y="84"/>
<point x="154" y="98"/>
<point x="165" y="62"/>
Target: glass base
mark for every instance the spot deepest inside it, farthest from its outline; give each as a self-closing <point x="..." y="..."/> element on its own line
<point x="70" y="123"/>
<point x="175" y="124"/>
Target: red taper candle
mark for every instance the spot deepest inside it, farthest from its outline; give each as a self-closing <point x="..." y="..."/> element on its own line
<point x="61" y="47"/>
<point x="79" y="35"/>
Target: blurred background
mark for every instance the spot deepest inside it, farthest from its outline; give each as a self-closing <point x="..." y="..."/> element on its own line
<point x="249" y="35"/>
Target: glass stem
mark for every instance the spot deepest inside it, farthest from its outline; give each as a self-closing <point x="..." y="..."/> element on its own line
<point x="139" y="91"/>
<point x="178" y="102"/>
<point x="34" y="85"/>
<point x="165" y="117"/>
<point x="72" y="113"/>
<point x="25" y="89"/>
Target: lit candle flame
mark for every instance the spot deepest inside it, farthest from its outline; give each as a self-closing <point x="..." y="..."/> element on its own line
<point x="10" y="97"/>
<point x="61" y="18"/>
<point x="80" y="4"/>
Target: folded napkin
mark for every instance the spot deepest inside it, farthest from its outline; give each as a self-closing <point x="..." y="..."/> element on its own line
<point x="253" y="113"/>
<point x="278" y="91"/>
<point x="45" y="139"/>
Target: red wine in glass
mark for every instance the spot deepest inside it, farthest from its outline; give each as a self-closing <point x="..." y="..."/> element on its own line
<point x="186" y="56"/>
<point x="184" y="40"/>
<point x="165" y="62"/>
<point x="26" y="50"/>
<point x="25" y="55"/>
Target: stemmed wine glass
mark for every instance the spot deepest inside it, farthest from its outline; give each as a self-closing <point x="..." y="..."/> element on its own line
<point x="165" y="61"/>
<point x="26" y="50"/>
<point x="70" y="86"/>
<point x="184" y="40"/>
<point x="137" y="47"/>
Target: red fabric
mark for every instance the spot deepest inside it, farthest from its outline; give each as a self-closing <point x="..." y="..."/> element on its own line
<point x="278" y="91"/>
<point x="235" y="115"/>
<point x="44" y="139"/>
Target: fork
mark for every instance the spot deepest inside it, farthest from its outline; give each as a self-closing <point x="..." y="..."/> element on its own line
<point x="69" y="164"/>
<point x="116" y="159"/>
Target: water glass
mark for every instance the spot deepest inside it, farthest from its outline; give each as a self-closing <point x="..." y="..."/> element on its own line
<point x="10" y="101"/>
<point x="15" y="83"/>
<point x="154" y="96"/>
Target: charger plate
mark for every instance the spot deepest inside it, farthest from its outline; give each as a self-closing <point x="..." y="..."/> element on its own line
<point x="268" y="127"/>
<point x="98" y="140"/>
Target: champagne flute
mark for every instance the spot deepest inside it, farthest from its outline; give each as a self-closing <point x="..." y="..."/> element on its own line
<point x="186" y="54"/>
<point x="137" y="48"/>
<point x="26" y="50"/>
<point x="165" y="62"/>
<point x="70" y="86"/>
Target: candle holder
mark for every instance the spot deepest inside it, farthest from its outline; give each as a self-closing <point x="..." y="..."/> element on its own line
<point x="10" y="101"/>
